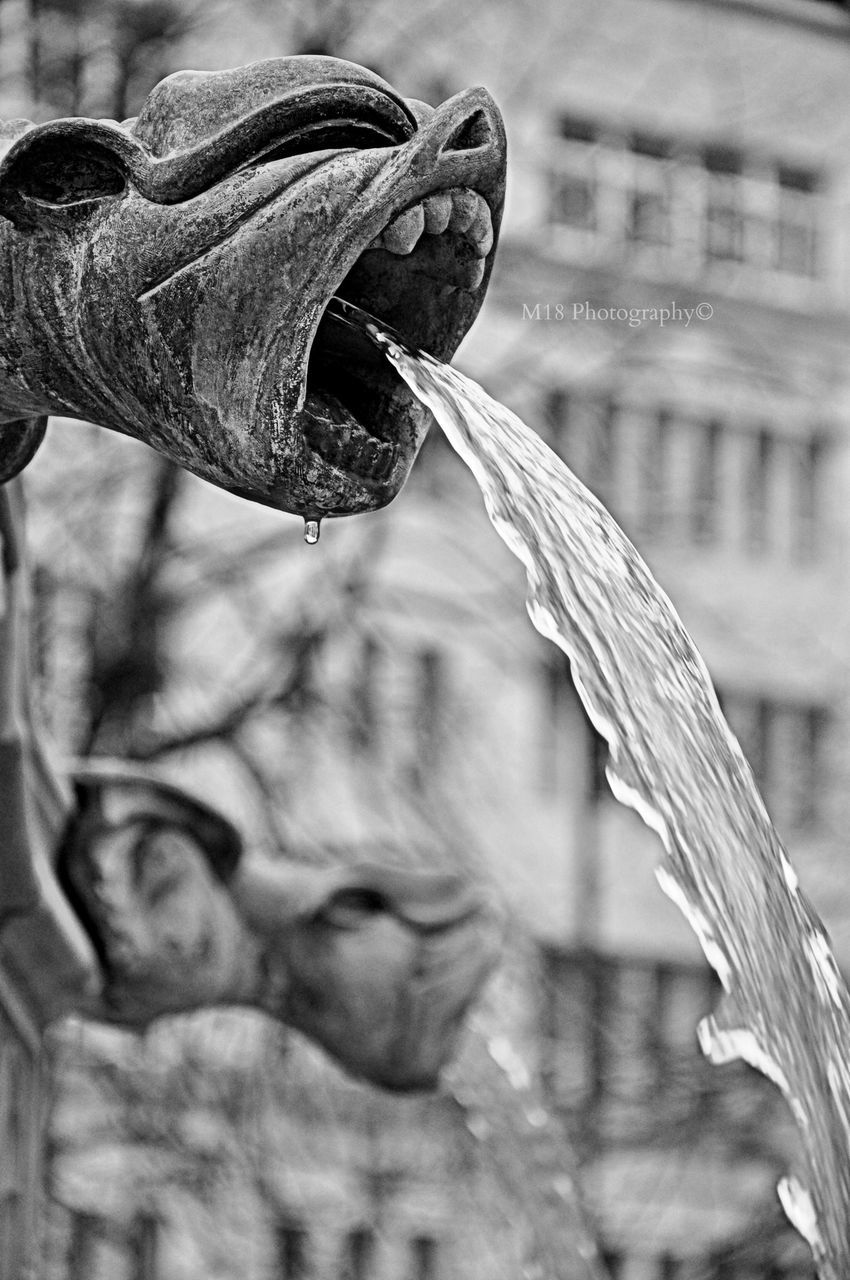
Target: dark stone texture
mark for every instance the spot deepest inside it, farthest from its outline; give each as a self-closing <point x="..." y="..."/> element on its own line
<point x="167" y="279"/>
<point x="19" y="443"/>
<point x="378" y="965"/>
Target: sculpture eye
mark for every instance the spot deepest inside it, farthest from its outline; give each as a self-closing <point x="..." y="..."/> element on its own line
<point x="59" y="170"/>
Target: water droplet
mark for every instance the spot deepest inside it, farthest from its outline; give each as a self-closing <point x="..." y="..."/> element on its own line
<point x="311" y="532"/>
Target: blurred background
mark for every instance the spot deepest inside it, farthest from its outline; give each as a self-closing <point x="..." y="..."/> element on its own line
<point x="383" y="694"/>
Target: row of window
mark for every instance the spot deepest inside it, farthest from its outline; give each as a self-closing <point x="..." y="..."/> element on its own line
<point x="786" y="744"/>
<point x="359" y="1256"/>
<point x="623" y="1031"/>
<point x="293" y="1252"/>
<point x="721" y="1265"/>
<point x="708" y="202"/>
<point x="707" y="481"/>
<point x="622" y="1065"/>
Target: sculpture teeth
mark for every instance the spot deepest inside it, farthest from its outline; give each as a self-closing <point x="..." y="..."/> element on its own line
<point x="459" y="210"/>
<point x="402" y="235"/>
<point x="464" y="209"/>
<point x="352" y="449"/>
<point x="465" y="215"/>
<point x="438" y="211"/>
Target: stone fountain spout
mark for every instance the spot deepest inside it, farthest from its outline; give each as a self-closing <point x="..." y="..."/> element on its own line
<point x="167" y="278"/>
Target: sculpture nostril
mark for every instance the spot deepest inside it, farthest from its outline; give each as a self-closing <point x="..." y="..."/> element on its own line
<point x="473" y="132"/>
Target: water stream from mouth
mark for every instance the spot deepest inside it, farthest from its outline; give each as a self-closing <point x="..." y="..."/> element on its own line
<point x="673" y="759"/>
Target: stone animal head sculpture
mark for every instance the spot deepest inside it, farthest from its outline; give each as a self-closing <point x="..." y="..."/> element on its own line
<point x="168" y="277"/>
<point x="378" y="965"/>
<point x="124" y="898"/>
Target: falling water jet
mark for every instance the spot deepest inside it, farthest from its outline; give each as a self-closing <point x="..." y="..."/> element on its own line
<point x="673" y="759"/>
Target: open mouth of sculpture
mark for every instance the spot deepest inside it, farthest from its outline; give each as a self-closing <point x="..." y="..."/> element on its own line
<point x="421" y="269"/>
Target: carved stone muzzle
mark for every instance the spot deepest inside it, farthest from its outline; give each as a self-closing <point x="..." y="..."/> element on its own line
<point x="168" y="277"/>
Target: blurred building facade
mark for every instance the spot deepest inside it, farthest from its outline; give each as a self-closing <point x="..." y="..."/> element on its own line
<point x="226" y="1171"/>
<point x="670" y="309"/>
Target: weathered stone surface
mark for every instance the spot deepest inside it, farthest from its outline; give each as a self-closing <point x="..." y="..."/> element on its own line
<point x="167" y="277"/>
<point x="378" y="965"/>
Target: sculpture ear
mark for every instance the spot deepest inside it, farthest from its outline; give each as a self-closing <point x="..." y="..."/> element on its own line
<point x="62" y="166"/>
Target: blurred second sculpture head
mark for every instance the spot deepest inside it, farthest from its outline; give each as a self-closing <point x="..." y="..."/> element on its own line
<point x="377" y="965"/>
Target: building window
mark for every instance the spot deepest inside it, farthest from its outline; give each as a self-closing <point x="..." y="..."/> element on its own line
<point x="705" y="509"/>
<point x="656" y="467"/>
<point x="784" y="493"/>
<point x="597" y="750"/>
<point x="602" y="427"/>
<point x="682" y="995"/>
<point x="811" y="467"/>
<point x="292" y="1243"/>
<point x="358" y="1255"/>
<point x="425" y="1257"/>
<point x="812" y="765"/>
<point x="144" y="1246"/>
<point x="797" y="231"/>
<point x="739" y="1261"/>
<point x="80" y="1259"/>
<point x="721" y="1266"/>
<point x="562" y="710"/>
<point x="573" y="194"/>
<point x="364" y="712"/>
<point x="614" y="1262"/>
<point x="567" y="1028"/>
<point x="785" y="745"/>
<point x="556" y="419"/>
<point x="668" y="471"/>
<point x="649" y="199"/>
<point x="740" y="207"/>
<point x="670" y="1267"/>
<point x="620" y="1032"/>
<point x="428" y="710"/>
<point x="556" y="705"/>
<point x="649" y="217"/>
<point x="724" y="217"/>
<point x="759" y="489"/>
<point x="574" y="200"/>
<point x="577" y="129"/>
